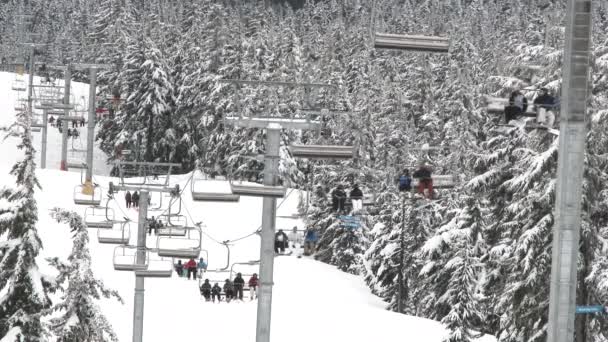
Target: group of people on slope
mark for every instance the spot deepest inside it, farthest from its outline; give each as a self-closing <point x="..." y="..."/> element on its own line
<point x="191" y="268"/>
<point x="425" y="180"/>
<point x="338" y="198"/>
<point x="295" y="240"/>
<point x="544" y="104"/>
<point x="232" y="289"/>
<point x="132" y="200"/>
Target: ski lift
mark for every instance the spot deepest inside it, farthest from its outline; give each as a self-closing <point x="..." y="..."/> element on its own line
<point x="18" y="84"/>
<point x="119" y="234"/>
<point x="246" y="263"/>
<point x="81" y="198"/>
<point x="349" y="222"/>
<point x="158" y="267"/>
<point x="244" y="188"/>
<point x="322" y="151"/>
<point x="148" y="171"/>
<point x="207" y="190"/>
<point x="496" y="105"/>
<point x="188" y="246"/>
<point x="125" y="259"/>
<point x="173" y="225"/>
<point x="99" y="217"/>
<point x="411" y="42"/>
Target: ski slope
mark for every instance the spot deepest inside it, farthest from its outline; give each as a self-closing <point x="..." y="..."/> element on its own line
<point x="312" y="301"/>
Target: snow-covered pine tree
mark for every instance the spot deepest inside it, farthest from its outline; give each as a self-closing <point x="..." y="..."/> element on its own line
<point x="23" y="288"/>
<point x="80" y="318"/>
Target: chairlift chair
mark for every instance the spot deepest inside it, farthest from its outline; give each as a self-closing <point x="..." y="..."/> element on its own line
<point x="119" y="234"/>
<point x="18" y="85"/>
<point x="322" y="151"/>
<point x="200" y="193"/>
<point x="188" y="246"/>
<point x="411" y="42"/>
<point x="158" y="267"/>
<point x="99" y="217"/>
<point x="439" y="181"/>
<point x="173" y="225"/>
<point x="82" y="199"/>
<point x="246" y="263"/>
<point x="243" y="188"/>
<point x="125" y="259"/>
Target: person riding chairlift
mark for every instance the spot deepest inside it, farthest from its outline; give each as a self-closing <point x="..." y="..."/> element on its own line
<point x="425" y="179"/>
<point x="518" y="104"/>
<point x="544" y="104"/>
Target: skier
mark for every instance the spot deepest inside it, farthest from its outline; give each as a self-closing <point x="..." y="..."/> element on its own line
<point x="405" y="181"/>
<point x="239" y="284"/>
<point x="128" y="199"/>
<point x="206" y="290"/>
<point x="544" y="104"/>
<point x="52" y="121"/>
<point x="202" y="267"/>
<point x="228" y="290"/>
<point x="82" y="122"/>
<point x="338" y="197"/>
<point x="135" y="199"/>
<point x="152" y="226"/>
<point x="296" y="241"/>
<point x="179" y="268"/>
<point x="69" y="133"/>
<point x="253" y="286"/>
<point x="73" y="123"/>
<point x="517" y="106"/>
<point x="216" y="291"/>
<point x="310" y="241"/>
<point x="425" y="180"/>
<point x="190" y="266"/>
<point x="280" y="241"/>
<point x="356" y="196"/>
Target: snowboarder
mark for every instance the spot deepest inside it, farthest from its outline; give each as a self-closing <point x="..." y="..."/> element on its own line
<point x="239" y="284"/>
<point x="544" y="104"/>
<point x="202" y="267"/>
<point x="190" y="266"/>
<point x="206" y="290"/>
<point x="425" y="180"/>
<point x="228" y="290"/>
<point x="296" y="241"/>
<point x="216" y="291"/>
<point x="405" y="181"/>
<point x="356" y="196"/>
<point x="280" y="241"/>
<point x="338" y="198"/>
<point x="128" y="199"/>
<point x="310" y="241"/>
<point x="517" y="106"/>
<point x="179" y="268"/>
<point x="135" y="199"/>
<point x="253" y="286"/>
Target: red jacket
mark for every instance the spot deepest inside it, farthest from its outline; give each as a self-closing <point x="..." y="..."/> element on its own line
<point x="190" y="264"/>
<point x="253" y="281"/>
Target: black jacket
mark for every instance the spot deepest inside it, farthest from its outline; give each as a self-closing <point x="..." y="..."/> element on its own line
<point x="545" y="101"/>
<point x="423" y="173"/>
<point x="356" y="193"/>
<point x="338" y="193"/>
<point x="216" y="289"/>
<point x="206" y="287"/>
<point x="512" y="102"/>
<point x="285" y="238"/>
<point x="239" y="282"/>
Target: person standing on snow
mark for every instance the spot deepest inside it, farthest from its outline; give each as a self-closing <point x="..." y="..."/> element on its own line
<point x="239" y="284"/>
<point x="253" y="286"/>
<point x="128" y="199"/>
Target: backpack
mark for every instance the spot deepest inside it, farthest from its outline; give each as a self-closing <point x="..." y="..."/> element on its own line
<point x="405" y="183"/>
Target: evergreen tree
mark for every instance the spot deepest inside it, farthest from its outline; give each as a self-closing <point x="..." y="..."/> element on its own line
<point x="24" y="290"/>
<point x="80" y="319"/>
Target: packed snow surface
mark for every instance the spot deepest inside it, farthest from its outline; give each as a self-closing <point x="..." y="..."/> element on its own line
<point x="312" y="301"/>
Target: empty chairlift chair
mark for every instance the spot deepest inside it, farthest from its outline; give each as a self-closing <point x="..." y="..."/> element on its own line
<point x="322" y="151"/>
<point x="120" y="234"/>
<point x="99" y="217"/>
<point x="440" y="181"/>
<point x="411" y="42"/>
<point x="207" y="190"/>
<point x="86" y="199"/>
<point x="187" y="246"/>
<point x="18" y="85"/>
<point x="125" y="259"/>
<point x="158" y="267"/>
<point x="252" y="189"/>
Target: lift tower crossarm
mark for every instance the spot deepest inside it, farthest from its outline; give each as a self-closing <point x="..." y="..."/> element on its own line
<point x="280" y="83"/>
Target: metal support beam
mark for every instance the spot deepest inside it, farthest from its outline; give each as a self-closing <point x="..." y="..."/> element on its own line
<point x="573" y="130"/>
<point x="113" y="188"/>
<point x="45" y="115"/>
<point x="91" y="126"/>
<point x="64" y="136"/>
<point x="30" y="99"/>
<point x="273" y="143"/>
<point x="279" y="83"/>
<point x="138" y="302"/>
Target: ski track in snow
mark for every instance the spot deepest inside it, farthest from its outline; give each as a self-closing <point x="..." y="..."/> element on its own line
<point x="312" y="301"/>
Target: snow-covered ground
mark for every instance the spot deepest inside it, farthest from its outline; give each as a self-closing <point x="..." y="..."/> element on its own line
<point x="311" y="301"/>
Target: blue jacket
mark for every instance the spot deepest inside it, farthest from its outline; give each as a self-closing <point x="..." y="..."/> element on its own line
<point x="201" y="264"/>
<point x="311" y="235"/>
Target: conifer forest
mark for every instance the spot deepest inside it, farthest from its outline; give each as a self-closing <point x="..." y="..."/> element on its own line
<point x="478" y="257"/>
